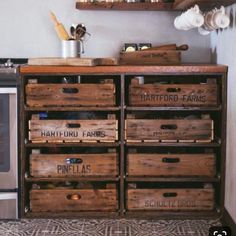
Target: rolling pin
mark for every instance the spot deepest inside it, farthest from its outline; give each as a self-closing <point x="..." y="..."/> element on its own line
<point x="59" y="27"/>
<point x="183" y="47"/>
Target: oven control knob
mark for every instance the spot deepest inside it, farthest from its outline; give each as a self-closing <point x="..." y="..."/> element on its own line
<point x="9" y="63"/>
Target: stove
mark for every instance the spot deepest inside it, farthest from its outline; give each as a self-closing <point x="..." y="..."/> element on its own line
<point x="9" y="69"/>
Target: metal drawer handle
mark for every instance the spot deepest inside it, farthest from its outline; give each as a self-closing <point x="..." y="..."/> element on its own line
<point x="70" y="90"/>
<point x="73" y="197"/>
<point x="74" y="161"/>
<point x="168" y="126"/>
<point x="73" y="125"/>
<point x="170" y="160"/>
<point x="169" y="194"/>
<point x="173" y="90"/>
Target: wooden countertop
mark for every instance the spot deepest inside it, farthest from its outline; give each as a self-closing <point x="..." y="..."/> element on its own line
<point x="184" y="68"/>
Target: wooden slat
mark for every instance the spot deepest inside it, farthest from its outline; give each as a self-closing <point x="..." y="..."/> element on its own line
<point x="57" y="130"/>
<point x="185" y="199"/>
<point x="158" y="6"/>
<point x="56" y="165"/>
<point x="47" y="95"/>
<point x="58" y="61"/>
<point x="188" y="69"/>
<point x="60" y="200"/>
<point x="145" y="164"/>
<point x="144" y="129"/>
<point x="173" y="95"/>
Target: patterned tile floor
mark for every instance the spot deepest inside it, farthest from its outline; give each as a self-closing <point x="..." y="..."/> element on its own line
<point x="85" y="227"/>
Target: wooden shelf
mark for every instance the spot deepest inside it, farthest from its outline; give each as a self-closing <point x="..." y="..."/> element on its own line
<point x="203" y="4"/>
<point x="72" y="108"/>
<point x="185" y="69"/>
<point x="130" y="108"/>
<point x="172" y="179"/>
<point x="124" y="6"/>
<point x="93" y="179"/>
<point x="33" y="145"/>
<point x="178" y="5"/>
<point x="143" y="144"/>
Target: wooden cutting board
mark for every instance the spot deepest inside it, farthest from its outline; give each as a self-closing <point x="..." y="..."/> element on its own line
<point x="59" y="61"/>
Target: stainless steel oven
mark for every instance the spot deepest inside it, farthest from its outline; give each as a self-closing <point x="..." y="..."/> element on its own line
<point x="8" y="142"/>
<point x="8" y="139"/>
<point x="8" y="153"/>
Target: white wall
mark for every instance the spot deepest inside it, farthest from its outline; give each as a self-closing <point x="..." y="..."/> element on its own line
<point x="27" y="31"/>
<point x="224" y="51"/>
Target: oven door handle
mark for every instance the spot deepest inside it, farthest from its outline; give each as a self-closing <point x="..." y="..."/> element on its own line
<point x="8" y="90"/>
<point x="7" y="196"/>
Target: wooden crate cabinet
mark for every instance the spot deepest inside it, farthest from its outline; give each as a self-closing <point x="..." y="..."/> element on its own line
<point x="164" y="155"/>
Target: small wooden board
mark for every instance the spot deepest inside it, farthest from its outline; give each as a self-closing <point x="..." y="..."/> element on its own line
<point x="47" y="95"/>
<point x="72" y="130"/>
<point x="170" y="199"/>
<point x="169" y="129"/>
<point x="73" y="165"/>
<point x="151" y="57"/>
<point x="173" y="95"/>
<point x="150" y="164"/>
<point x="59" y="61"/>
<point x="57" y="200"/>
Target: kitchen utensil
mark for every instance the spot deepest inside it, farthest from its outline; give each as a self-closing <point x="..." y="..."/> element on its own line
<point x="59" y="27"/>
<point x="80" y="31"/>
<point x="73" y="31"/>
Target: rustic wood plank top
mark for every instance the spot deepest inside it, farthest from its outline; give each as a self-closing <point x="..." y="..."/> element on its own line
<point x="174" y="69"/>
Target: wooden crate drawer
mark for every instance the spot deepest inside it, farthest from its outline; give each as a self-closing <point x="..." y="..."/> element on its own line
<point x="146" y="164"/>
<point x="46" y="95"/>
<point x="61" y="200"/>
<point x="74" y="165"/>
<point x="173" y="95"/>
<point x="168" y="130"/>
<point x="170" y="199"/>
<point x="73" y="130"/>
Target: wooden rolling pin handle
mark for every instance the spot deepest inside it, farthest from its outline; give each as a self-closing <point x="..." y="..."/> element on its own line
<point x="183" y="47"/>
<point x="54" y="18"/>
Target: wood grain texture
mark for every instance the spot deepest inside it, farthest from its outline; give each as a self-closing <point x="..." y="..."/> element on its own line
<point x="58" y="61"/>
<point x="179" y="69"/>
<point x="173" y="95"/>
<point x="185" y="199"/>
<point x="155" y="6"/>
<point x="48" y="95"/>
<point x="150" y="57"/>
<point x="59" y="130"/>
<point x="158" y="6"/>
<point x="61" y="165"/>
<point x="145" y="164"/>
<point x="169" y="129"/>
<point x="60" y="200"/>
